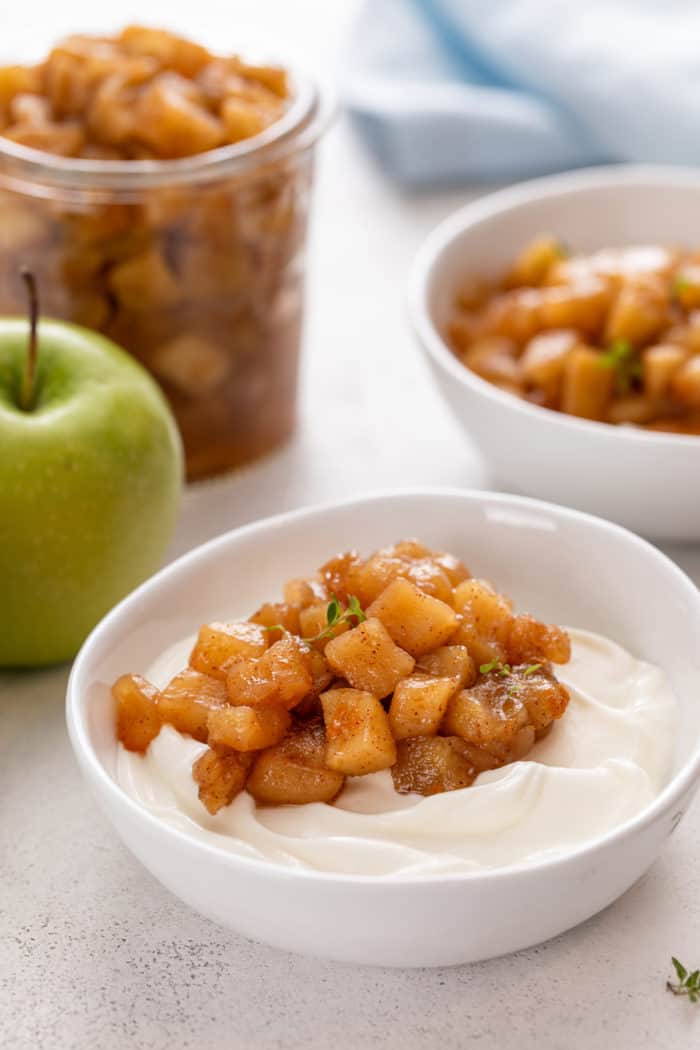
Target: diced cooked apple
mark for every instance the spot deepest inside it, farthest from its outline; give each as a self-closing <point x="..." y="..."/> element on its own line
<point x="416" y="621"/>
<point x="220" y="643"/>
<point x="419" y="704"/>
<point x="491" y="715"/>
<point x="303" y="593"/>
<point x="171" y="51"/>
<point x="358" y="736"/>
<point x="272" y="613"/>
<point x="138" y="718"/>
<point x="528" y="640"/>
<point x="186" y="701"/>
<point x="313" y="621"/>
<point x="450" y="661"/>
<point x="150" y="270"/>
<point x="247" y="728"/>
<point x="192" y="364"/>
<point x="282" y="675"/>
<point x="171" y="123"/>
<point x="485" y="618"/>
<point x="453" y="567"/>
<point x="544" y="697"/>
<point x="429" y="765"/>
<point x="220" y="777"/>
<point x="368" y="659"/>
<point x="294" y="772"/>
<point x="334" y="574"/>
<point x="368" y="579"/>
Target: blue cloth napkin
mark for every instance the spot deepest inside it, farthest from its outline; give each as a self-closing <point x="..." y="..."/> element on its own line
<point x="459" y="90"/>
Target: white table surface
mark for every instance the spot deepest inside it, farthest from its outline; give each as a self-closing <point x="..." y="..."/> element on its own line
<point x="94" y="953"/>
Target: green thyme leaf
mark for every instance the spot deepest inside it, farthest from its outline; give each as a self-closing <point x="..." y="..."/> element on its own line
<point x="531" y="669"/>
<point x="497" y="666"/>
<point x="688" y="984"/>
<point x="332" y="612"/>
<point x="623" y="360"/>
<point x="276" y="627"/>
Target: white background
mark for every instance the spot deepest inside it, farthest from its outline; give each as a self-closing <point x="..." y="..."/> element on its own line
<point x="94" y="953"/>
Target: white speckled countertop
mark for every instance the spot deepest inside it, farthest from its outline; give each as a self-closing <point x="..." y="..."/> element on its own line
<point x="94" y="953"/>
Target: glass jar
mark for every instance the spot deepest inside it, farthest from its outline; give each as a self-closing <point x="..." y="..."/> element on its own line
<point x="194" y="265"/>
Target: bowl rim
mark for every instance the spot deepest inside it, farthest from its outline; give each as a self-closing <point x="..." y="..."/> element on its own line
<point x="681" y="781"/>
<point x="612" y="176"/>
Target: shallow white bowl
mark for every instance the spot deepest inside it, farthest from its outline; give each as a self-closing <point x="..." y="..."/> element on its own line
<point x="557" y="563"/>
<point x="648" y="481"/>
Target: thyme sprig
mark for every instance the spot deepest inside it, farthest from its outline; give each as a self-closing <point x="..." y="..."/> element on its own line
<point x="622" y="358"/>
<point x="688" y="984"/>
<point x="335" y="617"/>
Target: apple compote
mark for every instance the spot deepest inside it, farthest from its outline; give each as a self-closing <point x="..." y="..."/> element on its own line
<point x="160" y="194"/>
<point x="326" y="685"/>
<point x="612" y="336"/>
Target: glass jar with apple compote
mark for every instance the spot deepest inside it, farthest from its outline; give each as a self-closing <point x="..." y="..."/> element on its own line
<point x="160" y="194"/>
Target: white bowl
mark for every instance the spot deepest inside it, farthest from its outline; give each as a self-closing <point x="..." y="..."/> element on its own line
<point x="561" y="565"/>
<point x="645" y="480"/>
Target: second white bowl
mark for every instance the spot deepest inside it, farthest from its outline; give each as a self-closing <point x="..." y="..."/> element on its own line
<point x="645" y="480"/>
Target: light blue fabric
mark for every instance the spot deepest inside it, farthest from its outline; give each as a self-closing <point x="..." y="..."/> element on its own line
<point x="469" y="90"/>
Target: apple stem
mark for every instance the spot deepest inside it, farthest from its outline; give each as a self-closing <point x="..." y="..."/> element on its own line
<point x="30" y="368"/>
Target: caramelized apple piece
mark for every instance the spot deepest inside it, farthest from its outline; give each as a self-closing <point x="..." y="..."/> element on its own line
<point x="528" y="640"/>
<point x="138" y="718"/>
<point x="247" y="728"/>
<point x="218" y="644"/>
<point x="485" y="620"/>
<point x="419" y="704"/>
<point x="544" y="697"/>
<point x="171" y="123"/>
<point x="368" y="579"/>
<point x="334" y="574"/>
<point x="491" y="716"/>
<point x="220" y="777"/>
<point x="294" y="772"/>
<point x="368" y="658"/>
<point x="193" y="365"/>
<point x="358" y="737"/>
<point x="535" y="261"/>
<point x="149" y="274"/>
<point x="303" y="593"/>
<point x="429" y="765"/>
<point x="416" y="621"/>
<point x="169" y="50"/>
<point x="186" y="701"/>
<point x="282" y="675"/>
<point x="313" y="621"/>
<point x="450" y="661"/>
<point x="272" y="613"/>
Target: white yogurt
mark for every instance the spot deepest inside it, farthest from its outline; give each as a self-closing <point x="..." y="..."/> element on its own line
<point x="603" y="762"/>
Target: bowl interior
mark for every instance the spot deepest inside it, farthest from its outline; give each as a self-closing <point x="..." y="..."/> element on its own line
<point x="587" y="211"/>
<point x="560" y="565"/>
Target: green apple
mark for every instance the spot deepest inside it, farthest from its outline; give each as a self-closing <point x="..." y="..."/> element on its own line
<point x="90" y="480"/>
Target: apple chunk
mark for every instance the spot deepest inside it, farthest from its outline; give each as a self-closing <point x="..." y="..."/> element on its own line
<point x="247" y="728"/>
<point x="419" y="704"/>
<point x="294" y="772"/>
<point x="358" y="736"/>
<point x="416" y="621"/>
<point x="450" y="661"/>
<point x="282" y="675"/>
<point x="429" y="765"/>
<point x="368" y="659"/>
<point x="220" y="643"/>
<point x="186" y="701"/>
<point x="138" y="718"/>
<point x="219" y="778"/>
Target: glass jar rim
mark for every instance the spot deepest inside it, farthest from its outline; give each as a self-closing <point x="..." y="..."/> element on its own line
<point x="296" y="130"/>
